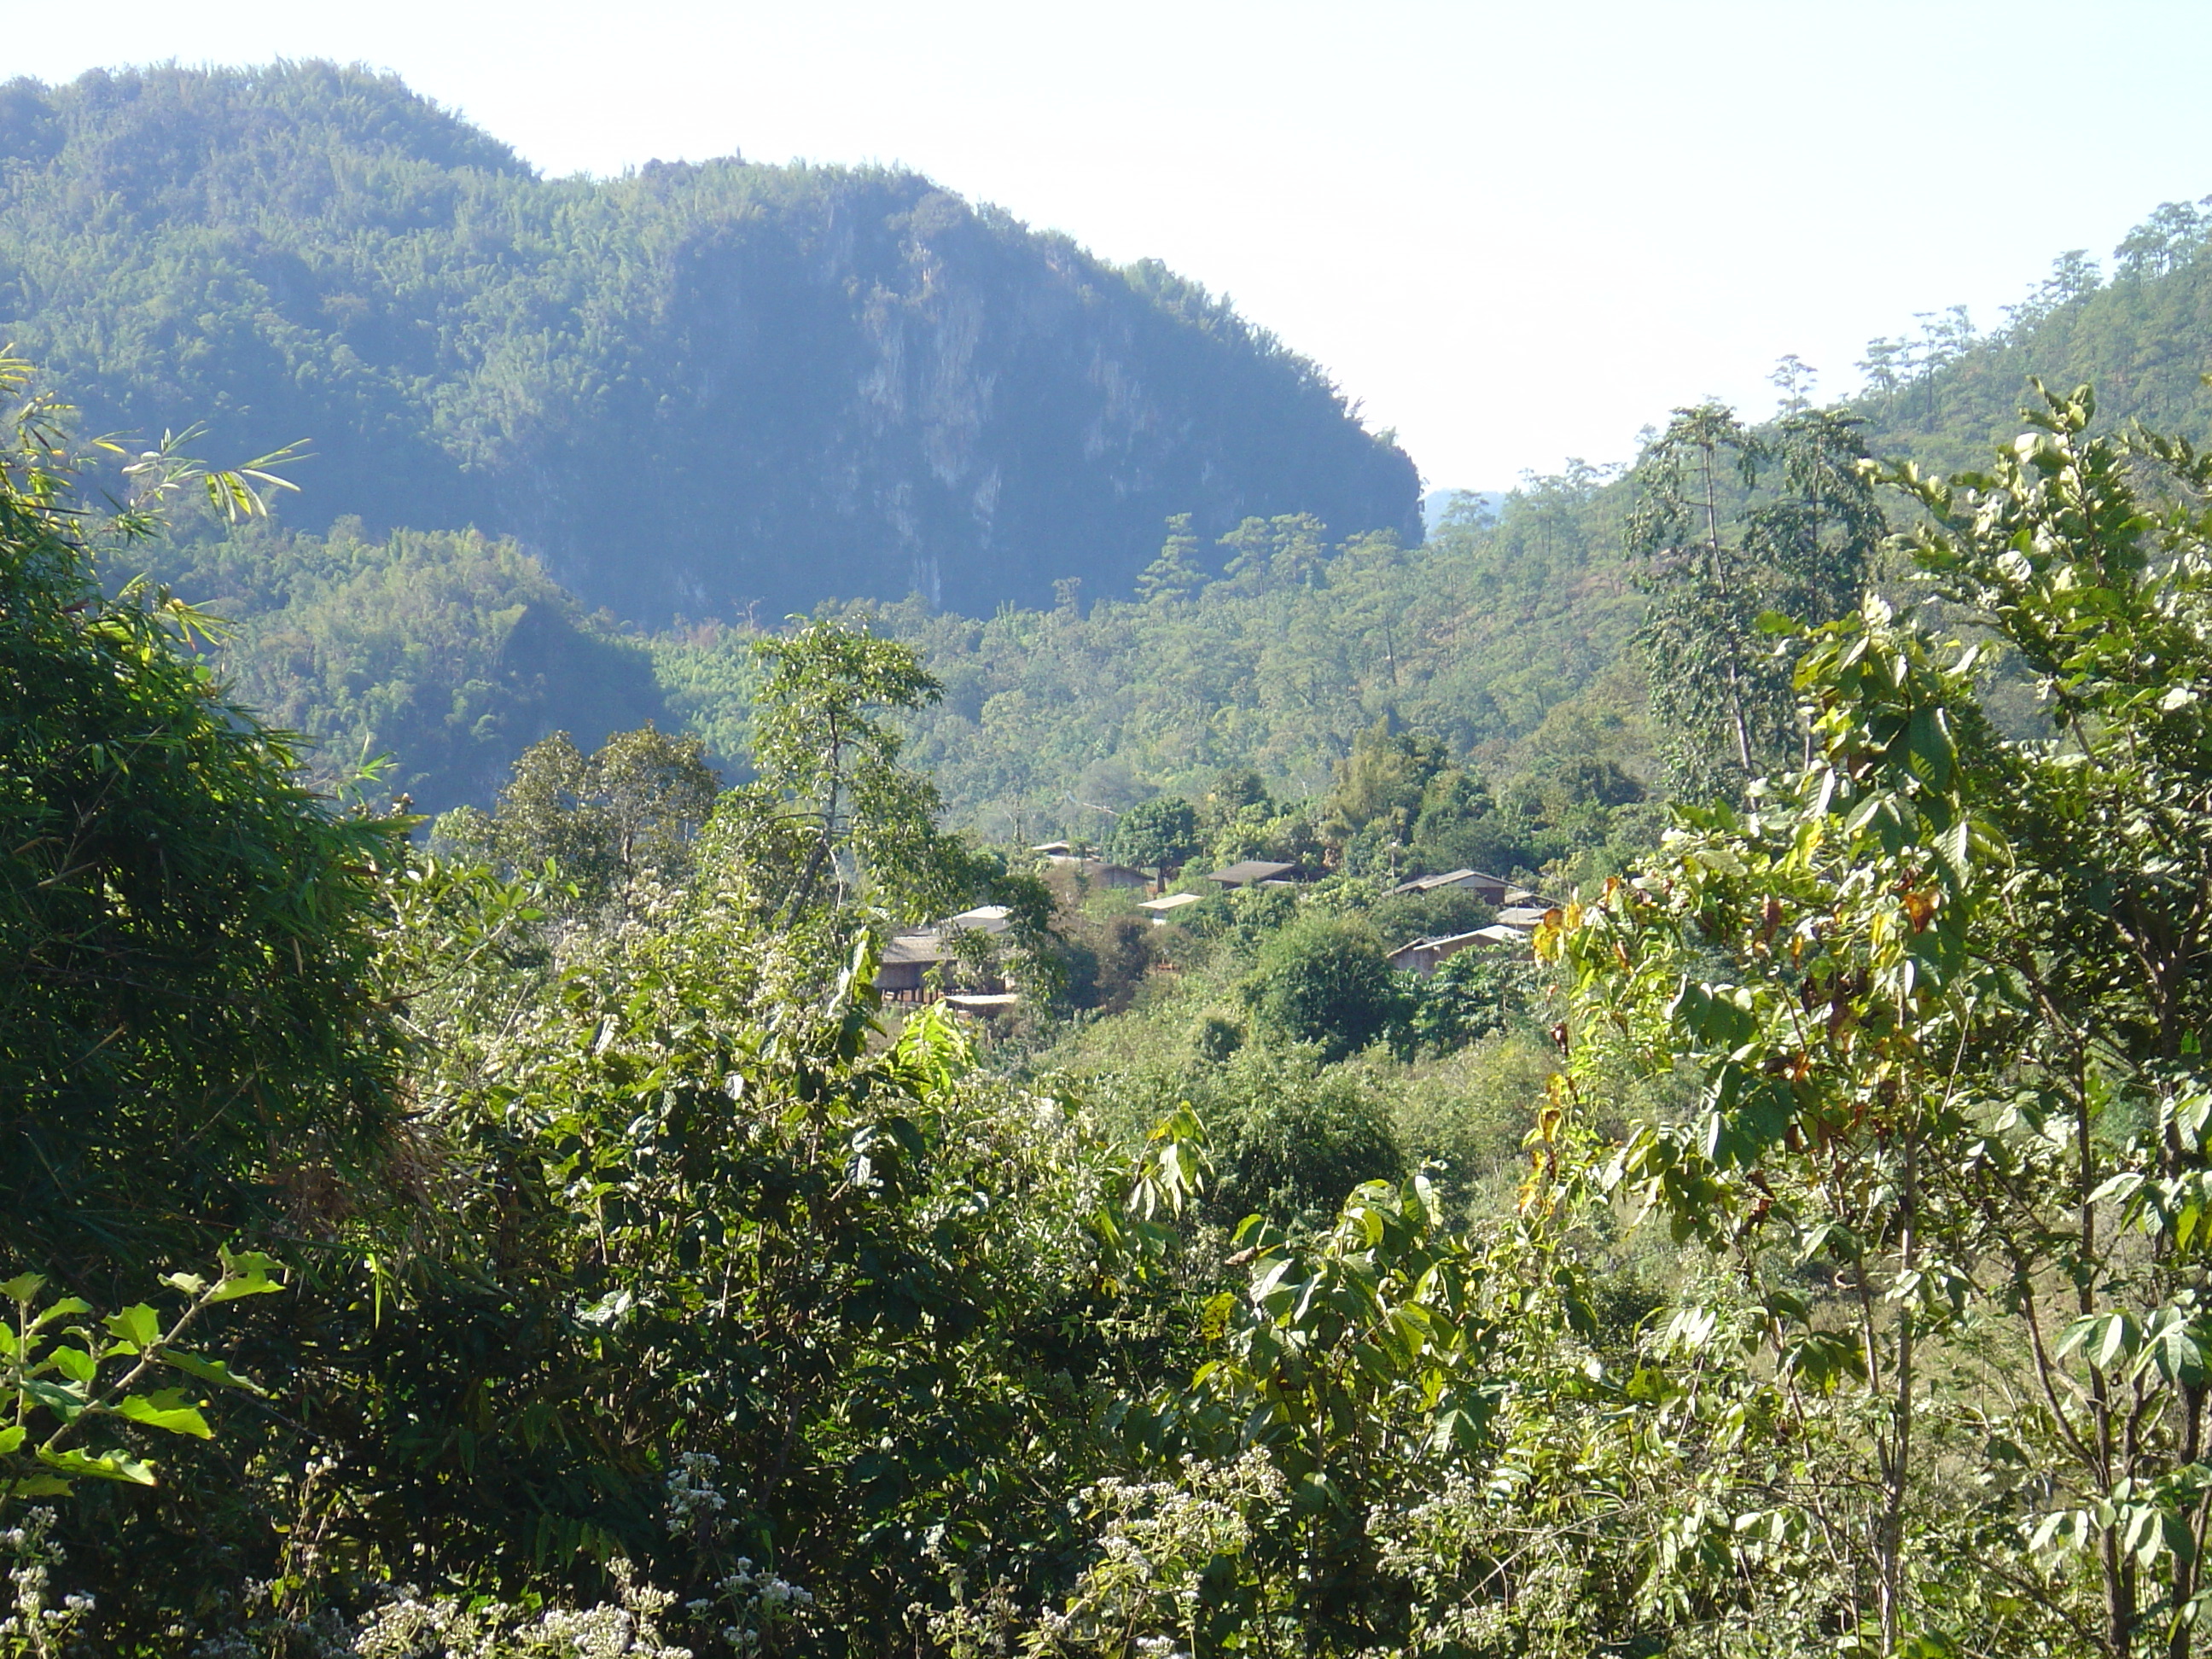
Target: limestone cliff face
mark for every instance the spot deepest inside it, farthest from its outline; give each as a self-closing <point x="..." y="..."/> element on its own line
<point x="697" y="389"/>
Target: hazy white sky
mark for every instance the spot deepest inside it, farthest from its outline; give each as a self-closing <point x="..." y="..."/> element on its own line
<point x="1515" y="233"/>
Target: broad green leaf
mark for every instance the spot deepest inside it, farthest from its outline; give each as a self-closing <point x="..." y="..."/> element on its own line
<point x="65" y="1403"/>
<point x="210" y="1371"/>
<point x="138" y="1326"/>
<point x="2120" y="1338"/>
<point x="112" y="1466"/>
<point x="68" y="1307"/>
<point x="247" y="1272"/>
<point x="232" y="1290"/>
<point x="36" y="1485"/>
<point x="168" y="1409"/>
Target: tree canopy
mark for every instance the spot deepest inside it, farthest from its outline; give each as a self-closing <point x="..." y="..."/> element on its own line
<point x="196" y="1040"/>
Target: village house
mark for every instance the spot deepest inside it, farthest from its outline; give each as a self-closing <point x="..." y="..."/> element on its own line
<point x="1256" y="873"/>
<point x="1062" y="855"/>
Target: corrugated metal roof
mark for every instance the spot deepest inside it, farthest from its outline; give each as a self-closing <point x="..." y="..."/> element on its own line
<point x="1475" y="878"/>
<point x="913" y="947"/>
<point x="983" y="918"/>
<point x="1171" y="902"/>
<point x="1250" y="870"/>
<point x="1522" y="915"/>
<point x="1434" y="941"/>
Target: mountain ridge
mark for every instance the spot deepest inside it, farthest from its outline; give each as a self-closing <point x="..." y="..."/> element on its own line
<point x="698" y="389"/>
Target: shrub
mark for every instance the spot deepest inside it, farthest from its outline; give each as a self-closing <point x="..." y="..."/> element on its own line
<point x="1292" y="1137"/>
<point x="1327" y="982"/>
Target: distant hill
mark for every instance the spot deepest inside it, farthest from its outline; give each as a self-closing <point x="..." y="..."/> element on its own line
<point x="696" y="390"/>
<point x="2141" y="335"/>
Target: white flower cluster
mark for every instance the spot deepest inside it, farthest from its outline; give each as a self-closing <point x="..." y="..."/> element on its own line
<point x="759" y="1601"/>
<point x="453" y="1629"/>
<point x="321" y="1634"/>
<point x="35" y="1624"/>
<point x="1154" y="1540"/>
<point x="693" y="1500"/>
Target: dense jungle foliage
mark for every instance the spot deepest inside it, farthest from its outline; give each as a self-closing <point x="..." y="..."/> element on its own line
<point x="551" y="1240"/>
<point x="663" y="385"/>
<point x="494" y="1201"/>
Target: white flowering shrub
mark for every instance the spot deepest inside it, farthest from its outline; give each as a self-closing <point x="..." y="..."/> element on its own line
<point x="1174" y="1558"/>
<point x="446" y="1627"/>
<point x="755" y="1608"/>
<point x="40" y="1620"/>
<point x="758" y="1604"/>
<point x="695" y="1505"/>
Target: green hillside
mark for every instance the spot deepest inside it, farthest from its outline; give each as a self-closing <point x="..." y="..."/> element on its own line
<point x="445" y="650"/>
<point x="452" y="652"/>
<point x="1055" y="720"/>
<point x="698" y="390"/>
<point x="2142" y="335"/>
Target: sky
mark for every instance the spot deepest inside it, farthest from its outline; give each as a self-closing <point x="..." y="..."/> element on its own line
<point x="1514" y="233"/>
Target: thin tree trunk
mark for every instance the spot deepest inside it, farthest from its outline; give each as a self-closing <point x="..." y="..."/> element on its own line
<point x="2114" y="1563"/>
<point x="1713" y="570"/>
<point x="815" y="860"/>
<point x="1896" y="1456"/>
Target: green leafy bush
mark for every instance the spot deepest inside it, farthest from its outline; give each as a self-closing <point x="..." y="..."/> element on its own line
<point x="1326" y="981"/>
<point x="193" y="1043"/>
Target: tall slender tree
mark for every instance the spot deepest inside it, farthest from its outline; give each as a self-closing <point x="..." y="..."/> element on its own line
<point x="1731" y="524"/>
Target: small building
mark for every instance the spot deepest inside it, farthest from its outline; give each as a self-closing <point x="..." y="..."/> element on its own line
<point x="903" y="971"/>
<point x="1415" y="885"/>
<point x="1096" y="872"/>
<point x="1115" y="875"/>
<point x="1055" y="850"/>
<point x="1525" y="916"/>
<point x="1424" y="956"/>
<point x="1254" y="872"/>
<point x="1490" y="889"/>
<point x="1162" y="908"/>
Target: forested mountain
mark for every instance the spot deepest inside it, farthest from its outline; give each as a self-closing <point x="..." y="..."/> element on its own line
<point x="2142" y="335"/>
<point x="451" y="653"/>
<point x="441" y="652"/>
<point x="695" y="390"/>
<point x="709" y="393"/>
